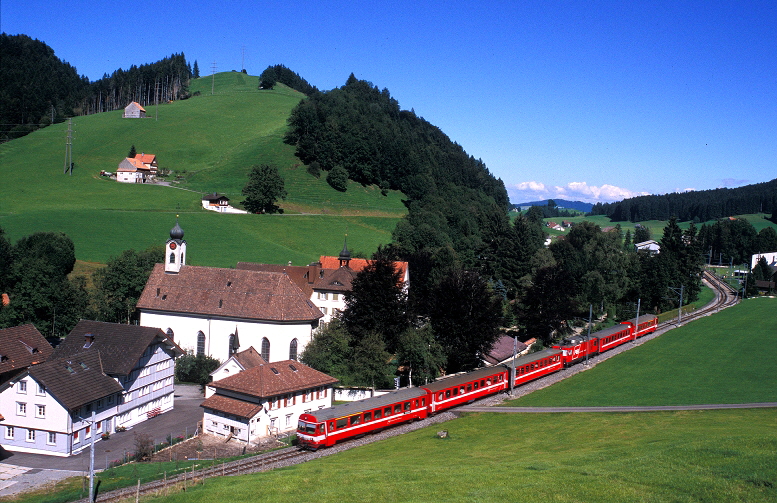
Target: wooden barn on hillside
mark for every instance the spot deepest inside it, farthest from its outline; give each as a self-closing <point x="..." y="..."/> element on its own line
<point x="134" y="111"/>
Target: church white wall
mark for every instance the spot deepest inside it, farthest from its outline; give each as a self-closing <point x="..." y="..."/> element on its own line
<point x="217" y="332"/>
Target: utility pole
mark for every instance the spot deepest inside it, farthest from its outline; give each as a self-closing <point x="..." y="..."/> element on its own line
<point x="588" y="337"/>
<point x="156" y="98"/>
<point x="680" y="310"/>
<point x="69" y="148"/>
<point x="91" y="457"/>
<point x="636" y="322"/>
<point x="213" y="77"/>
<point x="512" y="370"/>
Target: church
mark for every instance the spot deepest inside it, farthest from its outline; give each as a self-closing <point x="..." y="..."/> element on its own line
<point x="219" y="312"/>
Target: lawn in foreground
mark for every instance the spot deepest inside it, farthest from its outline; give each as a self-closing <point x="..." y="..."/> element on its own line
<point x="724" y="358"/>
<point x="727" y="455"/>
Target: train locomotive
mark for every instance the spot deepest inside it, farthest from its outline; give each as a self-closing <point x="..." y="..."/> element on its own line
<point x="325" y="427"/>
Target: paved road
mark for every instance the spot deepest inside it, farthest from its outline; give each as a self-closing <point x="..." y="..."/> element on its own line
<point x="617" y="409"/>
<point x="20" y="471"/>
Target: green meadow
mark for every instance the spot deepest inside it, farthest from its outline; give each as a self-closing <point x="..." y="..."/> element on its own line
<point x="687" y="456"/>
<point x="725" y="358"/>
<point x="209" y="142"/>
<point x="726" y="456"/>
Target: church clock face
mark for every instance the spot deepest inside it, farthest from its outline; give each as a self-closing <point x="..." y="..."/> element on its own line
<point x="173" y="246"/>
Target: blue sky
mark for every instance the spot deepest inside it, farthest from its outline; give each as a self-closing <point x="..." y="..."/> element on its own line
<point x="592" y="100"/>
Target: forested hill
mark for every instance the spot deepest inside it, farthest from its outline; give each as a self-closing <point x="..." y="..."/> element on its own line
<point x="697" y="206"/>
<point x="39" y="88"/>
<point x="360" y="132"/>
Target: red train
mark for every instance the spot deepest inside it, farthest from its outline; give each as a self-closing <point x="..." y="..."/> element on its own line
<point x="328" y="426"/>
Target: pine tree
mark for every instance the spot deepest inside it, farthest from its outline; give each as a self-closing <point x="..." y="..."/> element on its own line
<point x="196" y="70"/>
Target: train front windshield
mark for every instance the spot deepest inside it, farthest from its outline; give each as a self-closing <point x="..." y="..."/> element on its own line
<point x="305" y="427"/>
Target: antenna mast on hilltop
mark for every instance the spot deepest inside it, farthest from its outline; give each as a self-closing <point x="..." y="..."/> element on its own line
<point x="69" y="148"/>
<point x="213" y="77"/>
<point x="243" y="61"/>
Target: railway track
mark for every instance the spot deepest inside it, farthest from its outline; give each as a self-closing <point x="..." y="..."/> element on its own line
<point x="725" y="297"/>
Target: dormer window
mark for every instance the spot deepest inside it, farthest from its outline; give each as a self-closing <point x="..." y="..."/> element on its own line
<point x="88" y="341"/>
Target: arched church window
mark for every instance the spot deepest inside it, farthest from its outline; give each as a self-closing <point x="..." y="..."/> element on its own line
<point x="200" y="343"/>
<point x="266" y="349"/>
<point x="172" y="258"/>
<point x="293" y="349"/>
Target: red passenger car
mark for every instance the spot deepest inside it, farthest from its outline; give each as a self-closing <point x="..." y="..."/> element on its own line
<point x="465" y="388"/>
<point x="613" y="336"/>
<point x="327" y="426"/>
<point x="535" y="365"/>
<point x="647" y="324"/>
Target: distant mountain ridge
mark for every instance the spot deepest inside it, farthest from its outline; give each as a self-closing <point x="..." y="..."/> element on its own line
<point x="561" y="203"/>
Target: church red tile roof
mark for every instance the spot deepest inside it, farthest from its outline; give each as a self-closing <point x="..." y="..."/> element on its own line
<point x="229" y="293"/>
<point x="357" y="264"/>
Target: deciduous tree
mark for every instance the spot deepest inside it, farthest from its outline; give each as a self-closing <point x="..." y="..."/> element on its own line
<point x="264" y="188"/>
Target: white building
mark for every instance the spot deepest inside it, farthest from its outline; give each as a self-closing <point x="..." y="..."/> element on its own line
<point x="216" y="311"/>
<point x="650" y="246"/>
<point x="771" y="259"/>
<point x="327" y="281"/>
<point x="122" y="373"/>
<point x="132" y="170"/>
<point x="265" y="400"/>
<point x="235" y="364"/>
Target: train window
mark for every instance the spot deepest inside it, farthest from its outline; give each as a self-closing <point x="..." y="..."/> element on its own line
<point x="501" y="377"/>
<point x="488" y="382"/>
<point x="331" y="425"/>
<point x="455" y="391"/>
<point x="461" y="390"/>
<point x="423" y="402"/>
<point x="397" y="408"/>
<point x="469" y="387"/>
<point x="387" y="412"/>
<point x="368" y="416"/>
<point x="356" y="420"/>
<point x="440" y="396"/>
<point x="476" y="385"/>
<point x="447" y="393"/>
<point x="342" y="422"/>
<point x="482" y="384"/>
<point x="407" y="406"/>
<point x="378" y="414"/>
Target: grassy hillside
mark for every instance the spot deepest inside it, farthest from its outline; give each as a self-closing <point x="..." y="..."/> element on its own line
<point x="724" y="358"/>
<point x="210" y="142"/>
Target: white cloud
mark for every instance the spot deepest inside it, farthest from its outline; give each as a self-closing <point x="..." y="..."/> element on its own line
<point x="574" y="191"/>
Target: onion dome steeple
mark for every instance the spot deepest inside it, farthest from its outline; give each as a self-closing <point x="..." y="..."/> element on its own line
<point x="345" y="255"/>
<point x="176" y="232"/>
<point x="175" y="250"/>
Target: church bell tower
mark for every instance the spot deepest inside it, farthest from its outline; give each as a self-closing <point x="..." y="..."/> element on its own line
<point x="175" y="250"/>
